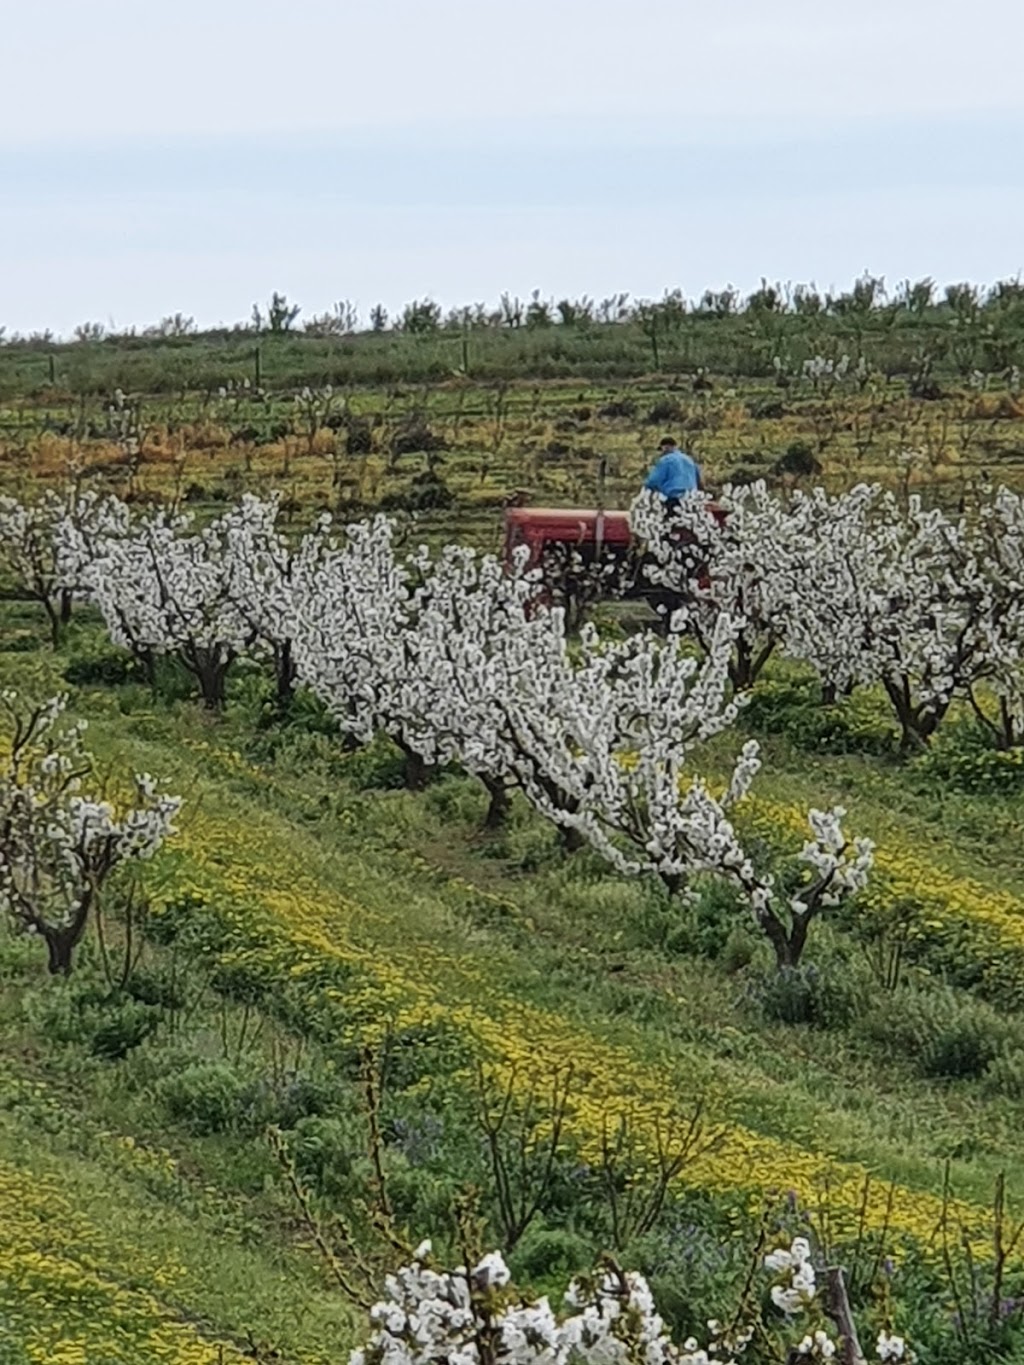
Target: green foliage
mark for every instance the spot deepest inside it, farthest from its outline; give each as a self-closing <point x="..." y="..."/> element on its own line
<point x="799" y="460"/>
<point x="325" y="1151"/>
<point x="942" y="1033"/>
<point x="209" y="1097"/>
<point x="549" y="1257"/>
<point x="379" y="765"/>
<point x="793" y="708"/>
<point x="104" y="668"/>
<point x="426" y="492"/>
<point x="107" y="1023"/>
<point x="964" y="756"/>
<point x="825" y="997"/>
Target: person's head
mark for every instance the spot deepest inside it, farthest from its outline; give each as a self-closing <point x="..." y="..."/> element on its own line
<point x="668" y="443"/>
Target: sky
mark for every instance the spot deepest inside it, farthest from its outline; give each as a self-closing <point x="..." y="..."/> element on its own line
<point x="195" y="157"/>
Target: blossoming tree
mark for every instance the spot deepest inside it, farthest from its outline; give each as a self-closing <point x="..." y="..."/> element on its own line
<point x="474" y="1315"/>
<point x="59" y="847"/>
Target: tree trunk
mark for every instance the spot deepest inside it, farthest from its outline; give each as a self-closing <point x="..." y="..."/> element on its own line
<point x="212" y="685"/>
<point x="284" y="668"/>
<point x="59" y="948"/>
<point x="499" y="804"/>
<point x="417" y="773"/>
<point x="570" y="838"/>
<point x="788" y="947"/>
<point x="62" y="940"/>
<point x="53" y="618"/>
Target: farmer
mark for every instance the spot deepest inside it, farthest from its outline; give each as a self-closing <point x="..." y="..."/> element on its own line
<point x="674" y="474"/>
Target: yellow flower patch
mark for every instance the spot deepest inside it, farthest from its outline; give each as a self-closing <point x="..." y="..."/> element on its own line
<point x="294" y="930"/>
<point x="69" y="1298"/>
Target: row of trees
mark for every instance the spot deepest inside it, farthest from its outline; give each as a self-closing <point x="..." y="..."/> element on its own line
<point x="868" y="296"/>
<point x="455" y="660"/>
<point x="863" y="588"/>
<point x="453" y="657"/>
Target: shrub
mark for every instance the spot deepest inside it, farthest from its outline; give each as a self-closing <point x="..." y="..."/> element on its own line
<point x="425" y="493"/>
<point x="664" y="410"/>
<point x="125" y="1026"/>
<point x="942" y="1034"/>
<point x="547" y="1257"/>
<point x="618" y="407"/>
<point x="379" y="765"/>
<point x="793" y="708"/>
<point x="208" y="1097"/>
<point x="1005" y="1074"/>
<point x="766" y="409"/>
<point x="359" y="435"/>
<point x="808" y="994"/>
<point x="108" y="1024"/>
<point x="323" y="1150"/>
<point x="109" y="669"/>
<point x="418" y="438"/>
<point x="704" y="928"/>
<point x="964" y="756"/>
<point x="799" y="460"/>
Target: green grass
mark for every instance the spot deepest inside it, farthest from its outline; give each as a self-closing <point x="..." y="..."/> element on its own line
<point x="500" y="931"/>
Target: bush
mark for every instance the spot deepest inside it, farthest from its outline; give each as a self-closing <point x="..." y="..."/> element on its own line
<point x="125" y="1025"/>
<point x="942" y="1034"/>
<point x="324" y="1152"/>
<point x="109" y="669"/>
<point x="704" y="928"/>
<point x="964" y="756"/>
<point x="547" y="1257"/>
<point x="808" y="994"/>
<point x="618" y="407"/>
<point x="799" y="460"/>
<point x="377" y="766"/>
<point x="665" y="410"/>
<point x="108" y="1024"/>
<point x="766" y="409"/>
<point x="417" y="438"/>
<point x="793" y="708"/>
<point x="1005" y="1073"/>
<point x="426" y="493"/>
<point x="208" y="1097"/>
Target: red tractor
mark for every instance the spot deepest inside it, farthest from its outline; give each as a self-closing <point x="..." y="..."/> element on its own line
<point x="584" y="554"/>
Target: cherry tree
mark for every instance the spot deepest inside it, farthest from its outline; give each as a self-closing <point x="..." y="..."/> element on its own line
<point x="890" y="595"/>
<point x="436" y="652"/>
<point x="351" y="596"/>
<point x="474" y="1315"/>
<point x="29" y="547"/>
<point x="997" y="554"/>
<point x="165" y="588"/>
<point x="739" y="557"/>
<point x="261" y="571"/>
<point x="609" y="755"/>
<point x="58" y="846"/>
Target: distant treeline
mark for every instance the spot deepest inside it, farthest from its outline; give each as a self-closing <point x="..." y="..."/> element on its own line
<point x="916" y="331"/>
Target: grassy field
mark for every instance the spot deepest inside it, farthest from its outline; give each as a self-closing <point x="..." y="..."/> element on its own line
<point x="365" y="970"/>
<point x="310" y="907"/>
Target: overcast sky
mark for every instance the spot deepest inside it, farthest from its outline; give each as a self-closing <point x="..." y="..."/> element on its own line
<point x="194" y="157"/>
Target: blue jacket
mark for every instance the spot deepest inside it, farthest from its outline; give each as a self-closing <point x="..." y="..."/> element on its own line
<point x="674" y="474"/>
